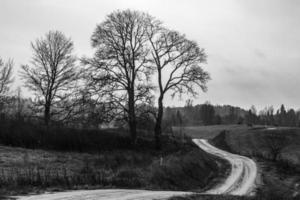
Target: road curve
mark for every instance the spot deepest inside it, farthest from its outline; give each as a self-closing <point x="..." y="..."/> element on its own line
<point x="239" y="182"/>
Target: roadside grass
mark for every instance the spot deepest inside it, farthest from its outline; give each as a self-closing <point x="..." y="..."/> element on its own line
<point x="230" y="197"/>
<point x="211" y="197"/>
<point x="192" y="171"/>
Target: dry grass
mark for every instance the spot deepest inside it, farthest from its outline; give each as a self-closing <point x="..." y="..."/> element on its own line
<point x="24" y="170"/>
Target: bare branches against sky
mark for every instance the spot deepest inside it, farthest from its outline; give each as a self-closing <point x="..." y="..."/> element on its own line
<point x="252" y="46"/>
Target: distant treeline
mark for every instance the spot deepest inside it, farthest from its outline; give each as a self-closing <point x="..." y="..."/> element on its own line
<point x="207" y="114"/>
<point x="91" y="115"/>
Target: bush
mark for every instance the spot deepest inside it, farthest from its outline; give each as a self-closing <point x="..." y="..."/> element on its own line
<point x="36" y="136"/>
<point x="31" y="135"/>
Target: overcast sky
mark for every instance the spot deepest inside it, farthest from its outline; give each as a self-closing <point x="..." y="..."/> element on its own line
<point x="253" y="46"/>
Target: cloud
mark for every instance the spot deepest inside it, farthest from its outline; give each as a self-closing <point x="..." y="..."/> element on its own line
<point x="260" y="54"/>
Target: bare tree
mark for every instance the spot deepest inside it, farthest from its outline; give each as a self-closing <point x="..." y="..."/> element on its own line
<point x="178" y="66"/>
<point x="19" y="105"/>
<point x="5" y="75"/>
<point x="52" y="74"/>
<point x="6" y="70"/>
<point x="89" y="111"/>
<point x="275" y="142"/>
<point x="119" y="71"/>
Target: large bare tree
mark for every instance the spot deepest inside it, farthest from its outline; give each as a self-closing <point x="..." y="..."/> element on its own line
<point x="119" y="71"/>
<point x="52" y="74"/>
<point x="178" y="65"/>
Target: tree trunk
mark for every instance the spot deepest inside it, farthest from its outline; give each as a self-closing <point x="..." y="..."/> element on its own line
<point x="47" y="114"/>
<point x="132" y="118"/>
<point x="132" y="127"/>
<point x="158" y="129"/>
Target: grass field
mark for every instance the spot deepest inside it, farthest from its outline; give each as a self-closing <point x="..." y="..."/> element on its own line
<point x="208" y="132"/>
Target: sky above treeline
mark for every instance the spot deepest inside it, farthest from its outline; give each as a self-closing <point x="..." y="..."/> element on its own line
<point x="253" y="46"/>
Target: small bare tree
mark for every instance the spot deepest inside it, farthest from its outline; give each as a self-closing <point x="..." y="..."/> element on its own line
<point x="275" y="142"/>
<point x="178" y="65"/>
<point x="5" y="75"/>
<point x="6" y="70"/>
<point x="119" y="72"/>
<point x="53" y="74"/>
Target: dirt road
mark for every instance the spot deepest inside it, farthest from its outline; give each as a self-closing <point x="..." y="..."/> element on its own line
<point x="107" y="194"/>
<point x="239" y="182"/>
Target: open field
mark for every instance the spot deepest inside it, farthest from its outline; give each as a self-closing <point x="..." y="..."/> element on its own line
<point x="208" y="132"/>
